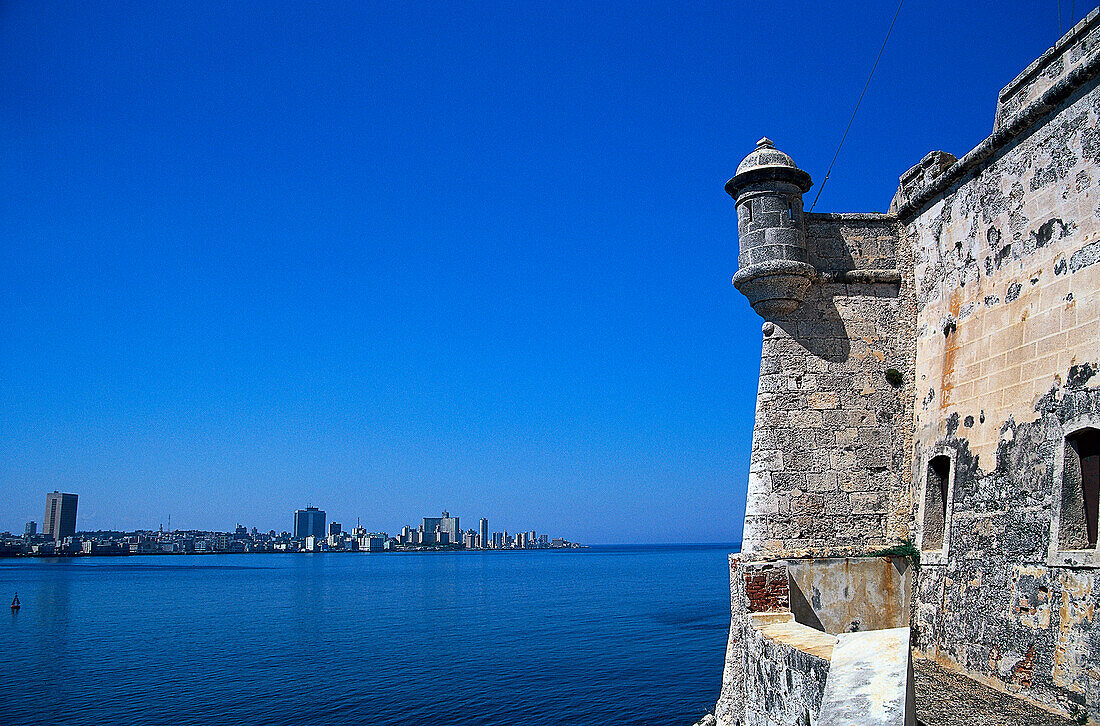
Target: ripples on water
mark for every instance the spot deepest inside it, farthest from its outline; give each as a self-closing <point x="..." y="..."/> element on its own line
<point x="607" y="635"/>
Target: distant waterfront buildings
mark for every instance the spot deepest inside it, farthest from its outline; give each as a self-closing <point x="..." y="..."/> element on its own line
<point x="309" y="522"/>
<point x="59" y="521"/>
<point x="373" y="542"/>
<point x="441" y="530"/>
<point x="59" y="537"/>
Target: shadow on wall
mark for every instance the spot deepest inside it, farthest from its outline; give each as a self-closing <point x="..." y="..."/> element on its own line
<point x="833" y="310"/>
<point x="847" y="595"/>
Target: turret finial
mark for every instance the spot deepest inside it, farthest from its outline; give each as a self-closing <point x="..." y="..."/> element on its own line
<point x="765" y="143"/>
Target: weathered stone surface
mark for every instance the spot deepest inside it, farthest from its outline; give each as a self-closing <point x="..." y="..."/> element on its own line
<point x="980" y="294"/>
<point x="845" y="595"/>
<point x="831" y="437"/>
<point x="949" y="698"/>
<point x="1010" y="244"/>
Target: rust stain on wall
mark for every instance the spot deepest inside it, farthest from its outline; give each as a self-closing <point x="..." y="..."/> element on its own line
<point x="950" y="351"/>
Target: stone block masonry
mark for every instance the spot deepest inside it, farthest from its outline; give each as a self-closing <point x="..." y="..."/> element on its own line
<point x="930" y="381"/>
<point x="827" y="474"/>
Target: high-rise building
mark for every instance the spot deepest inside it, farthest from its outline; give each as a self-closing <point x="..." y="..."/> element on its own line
<point x="435" y="526"/>
<point x="498" y="540"/>
<point x="31" y="529"/>
<point x="334" y="528"/>
<point x="484" y="532"/>
<point x="309" y="522"/>
<point x="60" y="519"/>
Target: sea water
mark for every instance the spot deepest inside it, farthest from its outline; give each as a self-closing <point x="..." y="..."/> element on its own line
<point x="603" y="635"/>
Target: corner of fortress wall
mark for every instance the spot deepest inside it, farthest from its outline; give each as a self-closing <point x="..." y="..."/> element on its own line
<point x="928" y="376"/>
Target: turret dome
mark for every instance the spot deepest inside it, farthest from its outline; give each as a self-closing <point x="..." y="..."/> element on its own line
<point x="767" y="163"/>
<point x="765" y="154"/>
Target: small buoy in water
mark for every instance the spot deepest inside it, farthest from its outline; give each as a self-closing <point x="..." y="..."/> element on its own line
<point x="15" y="602"/>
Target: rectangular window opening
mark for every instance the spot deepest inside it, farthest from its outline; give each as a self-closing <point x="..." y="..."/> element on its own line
<point x="937" y="483"/>
<point x="1080" y="491"/>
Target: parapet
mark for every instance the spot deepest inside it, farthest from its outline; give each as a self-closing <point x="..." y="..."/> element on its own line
<point x="1026" y="102"/>
<point x="921" y="175"/>
<point x="1075" y="49"/>
<point x="808" y="634"/>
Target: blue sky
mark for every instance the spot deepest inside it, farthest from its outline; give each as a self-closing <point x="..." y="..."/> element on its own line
<point x="390" y="258"/>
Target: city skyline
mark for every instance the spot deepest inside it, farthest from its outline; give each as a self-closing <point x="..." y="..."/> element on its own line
<point x="307" y="521"/>
<point x="311" y="532"/>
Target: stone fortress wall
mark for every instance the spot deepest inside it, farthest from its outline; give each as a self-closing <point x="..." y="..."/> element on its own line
<point x="929" y="376"/>
<point x="1008" y="344"/>
<point x="828" y="464"/>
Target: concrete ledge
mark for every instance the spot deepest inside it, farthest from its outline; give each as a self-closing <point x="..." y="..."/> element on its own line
<point x="782" y="628"/>
<point x="870" y="681"/>
<point x="850" y="217"/>
<point x="869" y="277"/>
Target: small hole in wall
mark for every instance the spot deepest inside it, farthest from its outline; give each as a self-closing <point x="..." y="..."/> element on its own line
<point x="894" y="377"/>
